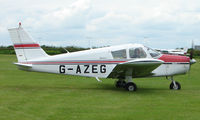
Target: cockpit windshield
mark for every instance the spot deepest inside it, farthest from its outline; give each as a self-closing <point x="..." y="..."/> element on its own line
<point x="137" y="53"/>
<point x="153" y="53"/>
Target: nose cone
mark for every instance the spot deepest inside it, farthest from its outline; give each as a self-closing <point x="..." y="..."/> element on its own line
<point x="192" y="61"/>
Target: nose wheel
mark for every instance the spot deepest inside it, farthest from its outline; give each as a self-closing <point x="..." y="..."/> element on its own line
<point x="174" y="84"/>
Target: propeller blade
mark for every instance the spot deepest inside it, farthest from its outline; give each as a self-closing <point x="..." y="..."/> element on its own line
<point x="192" y="50"/>
<point x="191" y="54"/>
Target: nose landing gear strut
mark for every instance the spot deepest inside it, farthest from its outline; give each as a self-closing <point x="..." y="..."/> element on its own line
<point x="174" y="84"/>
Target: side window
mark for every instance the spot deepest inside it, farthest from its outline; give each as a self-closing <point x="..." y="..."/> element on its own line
<point x="120" y="54"/>
<point x="137" y="53"/>
<point x="153" y="53"/>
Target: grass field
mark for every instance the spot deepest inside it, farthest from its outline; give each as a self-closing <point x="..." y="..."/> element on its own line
<point x="42" y="96"/>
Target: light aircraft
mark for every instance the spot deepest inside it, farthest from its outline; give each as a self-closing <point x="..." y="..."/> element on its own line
<point x="123" y="62"/>
<point x="173" y="51"/>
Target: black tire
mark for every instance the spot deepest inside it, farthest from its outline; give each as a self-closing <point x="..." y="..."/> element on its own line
<point x="131" y="86"/>
<point x="120" y="84"/>
<point x="123" y="84"/>
<point x="172" y="87"/>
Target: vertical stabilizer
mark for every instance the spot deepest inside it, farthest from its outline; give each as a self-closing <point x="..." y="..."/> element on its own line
<point x="25" y="48"/>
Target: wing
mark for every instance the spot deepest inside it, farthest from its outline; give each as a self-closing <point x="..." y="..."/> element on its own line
<point x="139" y="68"/>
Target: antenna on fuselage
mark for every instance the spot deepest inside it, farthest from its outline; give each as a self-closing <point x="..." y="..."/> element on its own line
<point x="66" y="50"/>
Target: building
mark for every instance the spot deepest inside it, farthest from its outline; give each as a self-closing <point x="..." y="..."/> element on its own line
<point x="197" y="47"/>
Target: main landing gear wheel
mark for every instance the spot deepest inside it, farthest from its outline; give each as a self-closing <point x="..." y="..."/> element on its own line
<point x="131" y="86"/>
<point x="175" y="85"/>
<point x="120" y="84"/>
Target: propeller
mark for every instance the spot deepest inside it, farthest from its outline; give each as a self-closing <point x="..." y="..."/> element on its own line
<point x="191" y="57"/>
<point x="192" y="50"/>
<point x="192" y="61"/>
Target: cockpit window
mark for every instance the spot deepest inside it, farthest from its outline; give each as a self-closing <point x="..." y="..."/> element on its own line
<point x="152" y="52"/>
<point x="119" y="54"/>
<point x="137" y="53"/>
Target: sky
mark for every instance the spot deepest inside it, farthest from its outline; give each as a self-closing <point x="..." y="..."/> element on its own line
<point x="163" y="24"/>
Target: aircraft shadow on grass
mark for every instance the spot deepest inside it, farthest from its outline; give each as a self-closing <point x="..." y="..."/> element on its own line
<point x="95" y="87"/>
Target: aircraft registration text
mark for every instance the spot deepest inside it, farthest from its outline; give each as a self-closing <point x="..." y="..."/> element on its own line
<point x="82" y="69"/>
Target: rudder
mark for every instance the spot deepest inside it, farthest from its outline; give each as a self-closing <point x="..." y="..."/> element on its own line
<point x="25" y="47"/>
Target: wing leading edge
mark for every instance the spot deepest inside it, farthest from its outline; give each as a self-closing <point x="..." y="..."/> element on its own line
<point x="139" y="68"/>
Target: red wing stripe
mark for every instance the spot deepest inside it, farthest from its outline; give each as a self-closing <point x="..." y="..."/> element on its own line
<point x="26" y="45"/>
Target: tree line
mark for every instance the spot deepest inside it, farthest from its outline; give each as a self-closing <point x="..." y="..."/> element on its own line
<point x="52" y="50"/>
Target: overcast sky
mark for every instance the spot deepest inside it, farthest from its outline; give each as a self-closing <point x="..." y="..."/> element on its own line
<point x="155" y="23"/>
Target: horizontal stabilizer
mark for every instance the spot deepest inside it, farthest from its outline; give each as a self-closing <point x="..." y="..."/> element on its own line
<point x="25" y="67"/>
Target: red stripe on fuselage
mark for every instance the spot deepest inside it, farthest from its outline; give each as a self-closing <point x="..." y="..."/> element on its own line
<point x="26" y="45"/>
<point x="174" y="58"/>
<point x="73" y="62"/>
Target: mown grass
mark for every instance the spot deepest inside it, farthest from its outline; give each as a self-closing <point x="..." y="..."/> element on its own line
<point x="39" y="96"/>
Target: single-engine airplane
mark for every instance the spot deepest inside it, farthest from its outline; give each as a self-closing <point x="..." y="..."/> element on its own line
<point x="173" y="51"/>
<point x="123" y="62"/>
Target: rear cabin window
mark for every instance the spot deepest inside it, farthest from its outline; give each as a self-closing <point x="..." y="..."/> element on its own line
<point x="120" y="54"/>
<point x="137" y="53"/>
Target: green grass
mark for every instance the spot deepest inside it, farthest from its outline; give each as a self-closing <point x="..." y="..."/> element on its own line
<point x="39" y="96"/>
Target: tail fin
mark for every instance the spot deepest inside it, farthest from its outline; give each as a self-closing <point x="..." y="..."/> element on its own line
<point x="25" y="48"/>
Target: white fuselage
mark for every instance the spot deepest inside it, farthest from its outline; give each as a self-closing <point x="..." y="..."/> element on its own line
<point x="99" y="63"/>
